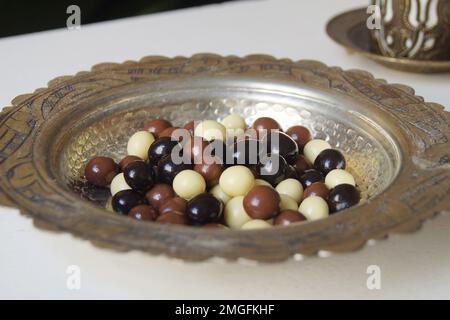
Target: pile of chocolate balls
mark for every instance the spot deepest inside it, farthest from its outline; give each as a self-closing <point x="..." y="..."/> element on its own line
<point x="226" y="175"/>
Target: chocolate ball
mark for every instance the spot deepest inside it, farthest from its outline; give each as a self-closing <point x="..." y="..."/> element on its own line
<point x="172" y="217"/>
<point x="157" y="126"/>
<point x="100" y="171"/>
<point x="264" y="125"/>
<point x="329" y="159"/>
<point x="139" y="176"/>
<point x="318" y="189"/>
<point x="310" y="176"/>
<point x="167" y="169"/>
<point x="125" y="200"/>
<point x="270" y="171"/>
<point x="301" y="165"/>
<point x="157" y="195"/>
<point x="300" y="134"/>
<point x="262" y="202"/>
<point x="167" y="132"/>
<point x="204" y="208"/>
<point x="177" y="204"/>
<point x="143" y="212"/>
<point x="190" y="126"/>
<point x="342" y="197"/>
<point x="291" y="173"/>
<point x="211" y="170"/>
<point x="127" y="160"/>
<point x="288" y="217"/>
<point x="280" y="143"/>
<point x="160" y="148"/>
<point x="194" y="149"/>
<point x="245" y="152"/>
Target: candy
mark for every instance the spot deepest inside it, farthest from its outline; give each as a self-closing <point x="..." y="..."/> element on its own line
<point x="143" y="212"/>
<point x="189" y="183"/>
<point x="338" y="176"/>
<point x="139" y="176"/>
<point x="256" y="224"/>
<point x="342" y="197"/>
<point x="118" y="184"/>
<point x="234" y="213"/>
<point x="292" y="188"/>
<point x="314" y="208"/>
<point x="123" y="201"/>
<point x="237" y="180"/>
<point x="210" y="130"/>
<point x="139" y="143"/>
<point x="329" y="159"/>
<point x="204" y="208"/>
<point x="300" y="135"/>
<point x="100" y="171"/>
<point x="159" y="194"/>
<point x="288" y="217"/>
<point x="312" y="149"/>
<point x="157" y="126"/>
<point x="262" y="202"/>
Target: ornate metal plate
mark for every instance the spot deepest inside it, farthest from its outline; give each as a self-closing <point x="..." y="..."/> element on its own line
<point x="396" y="144"/>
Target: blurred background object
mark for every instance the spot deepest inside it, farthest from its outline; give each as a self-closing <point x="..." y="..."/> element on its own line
<point x="20" y="16"/>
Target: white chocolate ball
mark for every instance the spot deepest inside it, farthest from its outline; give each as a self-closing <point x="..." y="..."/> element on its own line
<point x="118" y="184"/>
<point x="210" y="130"/>
<point x="234" y="124"/>
<point x="287" y="203"/>
<point x="314" y="208"/>
<point x="291" y="187"/>
<point x="313" y="148"/>
<point x="256" y="224"/>
<point x="234" y="213"/>
<point x="261" y="182"/>
<point x="217" y="192"/>
<point x="237" y="181"/>
<point x="338" y="176"/>
<point x="189" y="183"/>
<point x="139" y="144"/>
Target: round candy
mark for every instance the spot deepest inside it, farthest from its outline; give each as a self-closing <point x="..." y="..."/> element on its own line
<point x="292" y="188"/>
<point x="262" y="202"/>
<point x="301" y="165"/>
<point x="309" y="177"/>
<point x="261" y="182"/>
<point x="139" y="144"/>
<point x="190" y="126"/>
<point x="127" y="160"/>
<point x="168" y="132"/>
<point x="300" y="134"/>
<point x="272" y="169"/>
<point x="234" y="124"/>
<point x="316" y="189"/>
<point x="167" y="169"/>
<point x="329" y="159"/>
<point x="342" y="197"/>
<point x="143" y="212"/>
<point x="173" y="204"/>
<point x="118" y="184"/>
<point x="287" y="203"/>
<point x="189" y="183"/>
<point x="256" y="224"/>
<point x="288" y="217"/>
<point x="264" y="125"/>
<point x="210" y="130"/>
<point x="314" y="208"/>
<point x="160" y="148"/>
<point x="172" y="217"/>
<point x="234" y="213"/>
<point x="123" y="201"/>
<point x="312" y="149"/>
<point x="160" y="193"/>
<point x="204" y="208"/>
<point x="246" y="152"/>
<point x="291" y="173"/>
<point x="157" y="126"/>
<point x="194" y="149"/>
<point x="139" y="175"/>
<point x="338" y="176"/>
<point x="100" y="171"/>
<point x="237" y="181"/>
<point x="281" y="144"/>
<point x="211" y="170"/>
<point x="217" y="192"/>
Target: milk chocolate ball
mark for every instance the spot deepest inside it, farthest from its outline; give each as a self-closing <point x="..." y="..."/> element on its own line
<point x="143" y="212"/>
<point x="172" y="217"/>
<point x="100" y="171"/>
<point x="139" y="176"/>
<point x="281" y="144"/>
<point x="167" y="132"/>
<point x="273" y="169"/>
<point x="342" y="197"/>
<point x="262" y="202"/>
<point x="329" y="159"/>
<point x="264" y="125"/>
<point x="301" y="165"/>
<point x="157" y="195"/>
<point x="167" y="169"/>
<point x="157" y="126"/>
<point x="288" y="217"/>
<point x="300" y="134"/>
<point x="204" y="208"/>
<point x="177" y="204"/>
<point x="210" y="169"/>
<point x="125" y="200"/>
<point x="127" y="160"/>
<point x="190" y="126"/>
<point x="309" y="177"/>
<point x="318" y="189"/>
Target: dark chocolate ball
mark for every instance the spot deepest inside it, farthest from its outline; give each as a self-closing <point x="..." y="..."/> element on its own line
<point x="310" y="176"/>
<point x="139" y="176"/>
<point x="204" y="208"/>
<point x="246" y="152"/>
<point x="160" y="148"/>
<point x="280" y="143"/>
<point x="262" y="202"/>
<point x="342" y="197"/>
<point x="143" y="212"/>
<point x="172" y="217"/>
<point x="301" y="165"/>
<point x="127" y="160"/>
<point x="288" y="217"/>
<point x="318" y="189"/>
<point x="160" y="193"/>
<point x="177" y="204"/>
<point x="167" y="169"/>
<point x="291" y="173"/>
<point x="100" y="171"/>
<point x="300" y="134"/>
<point x="157" y="126"/>
<point x="194" y="149"/>
<point x="211" y="170"/>
<point x="125" y="200"/>
<point x="329" y="159"/>
<point x="273" y="169"/>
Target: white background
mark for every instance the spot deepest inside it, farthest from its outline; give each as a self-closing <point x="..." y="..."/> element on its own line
<point x="33" y="262"/>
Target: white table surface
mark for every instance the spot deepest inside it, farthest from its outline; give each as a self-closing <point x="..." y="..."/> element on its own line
<point x="33" y="263"/>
